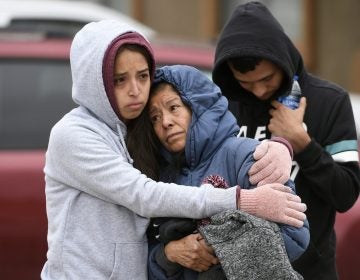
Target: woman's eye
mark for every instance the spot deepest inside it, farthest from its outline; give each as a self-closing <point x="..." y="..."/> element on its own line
<point x="174" y="107"/>
<point x="154" y="118"/>
<point x="118" y="81"/>
<point x="144" y="76"/>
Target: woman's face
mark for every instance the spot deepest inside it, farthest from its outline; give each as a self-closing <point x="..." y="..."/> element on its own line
<point x="131" y="83"/>
<point x="170" y="118"/>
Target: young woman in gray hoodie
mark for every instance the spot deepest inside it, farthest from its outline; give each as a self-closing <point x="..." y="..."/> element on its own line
<point x="98" y="204"/>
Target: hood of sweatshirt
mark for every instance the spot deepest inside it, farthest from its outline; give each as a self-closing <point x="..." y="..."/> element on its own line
<point x="211" y="121"/>
<point x="94" y="44"/>
<point x="253" y="31"/>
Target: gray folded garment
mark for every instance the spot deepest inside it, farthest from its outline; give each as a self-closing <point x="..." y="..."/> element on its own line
<point x="248" y="247"/>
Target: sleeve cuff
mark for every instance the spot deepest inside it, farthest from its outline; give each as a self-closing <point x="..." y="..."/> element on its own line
<point x="238" y="193"/>
<point x="309" y="155"/>
<point x="161" y="259"/>
<point x="285" y="142"/>
<point x="248" y="202"/>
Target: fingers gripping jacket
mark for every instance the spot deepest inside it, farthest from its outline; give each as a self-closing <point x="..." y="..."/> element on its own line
<point x="273" y="162"/>
<point x="248" y="247"/>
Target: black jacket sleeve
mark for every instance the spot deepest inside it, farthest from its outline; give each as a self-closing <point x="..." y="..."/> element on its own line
<point x="328" y="163"/>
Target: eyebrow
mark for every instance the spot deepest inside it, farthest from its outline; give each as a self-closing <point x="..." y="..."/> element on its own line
<point x="172" y="99"/>
<point x="138" y="72"/>
<point x="263" y="78"/>
<point x="153" y="108"/>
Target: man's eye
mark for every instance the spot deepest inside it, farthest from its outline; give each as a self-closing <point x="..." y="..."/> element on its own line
<point x="267" y="78"/>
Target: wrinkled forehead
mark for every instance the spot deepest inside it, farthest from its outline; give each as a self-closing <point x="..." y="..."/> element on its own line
<point x="163" y="93"/>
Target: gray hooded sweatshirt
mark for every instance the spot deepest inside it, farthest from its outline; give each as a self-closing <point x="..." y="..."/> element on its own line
<point x="98" y="204"/>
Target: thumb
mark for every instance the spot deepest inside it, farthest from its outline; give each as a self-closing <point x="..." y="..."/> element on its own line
<point x="278" y="187"/>
<point x="302" y="105"/>
<point x="261" y="150"/>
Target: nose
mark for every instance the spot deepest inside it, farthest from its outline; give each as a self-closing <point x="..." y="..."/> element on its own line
<point x="134" y="89"/>
<point x="167" y="120"/>
<point x="259" y="89"/>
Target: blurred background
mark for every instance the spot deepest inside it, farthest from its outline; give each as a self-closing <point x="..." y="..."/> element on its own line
<point x="35" y="91"/>
<point x="323" y="30"/>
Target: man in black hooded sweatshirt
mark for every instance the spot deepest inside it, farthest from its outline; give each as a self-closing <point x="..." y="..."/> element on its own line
<point x="255" y="63"/>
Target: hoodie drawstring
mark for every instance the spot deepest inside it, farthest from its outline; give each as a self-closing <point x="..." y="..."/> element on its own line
<point x="122" y="143"/>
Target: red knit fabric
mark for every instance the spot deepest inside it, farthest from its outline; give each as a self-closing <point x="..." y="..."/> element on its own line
<point x="218" y="182"/>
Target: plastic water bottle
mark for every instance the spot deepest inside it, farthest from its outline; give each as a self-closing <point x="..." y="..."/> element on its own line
<point x="293" y="99"/>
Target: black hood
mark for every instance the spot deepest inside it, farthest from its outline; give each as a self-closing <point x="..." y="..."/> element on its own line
<point x="253" y="31"/>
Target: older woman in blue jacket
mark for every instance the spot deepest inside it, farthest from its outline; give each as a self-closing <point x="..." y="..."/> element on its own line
<point x="197" y="137"/>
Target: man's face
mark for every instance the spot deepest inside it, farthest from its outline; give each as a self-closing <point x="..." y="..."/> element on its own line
<point x="263" y="81"/>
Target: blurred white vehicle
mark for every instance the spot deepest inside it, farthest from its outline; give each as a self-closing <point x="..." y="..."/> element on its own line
<point x="59" y="17"/>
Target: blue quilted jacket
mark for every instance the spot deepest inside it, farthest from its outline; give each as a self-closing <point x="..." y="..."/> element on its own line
<point x="212" y="148"/>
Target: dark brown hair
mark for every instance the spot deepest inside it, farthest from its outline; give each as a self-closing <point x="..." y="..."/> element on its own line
<point x="244" y="64"/>
<point x="143" y="144"/>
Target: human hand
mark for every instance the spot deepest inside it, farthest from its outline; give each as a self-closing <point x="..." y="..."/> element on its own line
<point x="191" y="252"/>
<point x="288" y="123"/>
<point x="273" y="164"/>
<point x="273" y="202"/>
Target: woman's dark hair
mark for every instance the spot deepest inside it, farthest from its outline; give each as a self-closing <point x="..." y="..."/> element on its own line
<point x="143" y="145"/>
<point x="142" y="142"/>
<point x="244" y="64"/>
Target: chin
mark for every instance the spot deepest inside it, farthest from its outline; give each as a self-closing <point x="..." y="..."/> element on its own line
<point x="263" y="98"/>
<point x="176" y="149"/>
<point x="267" y="98"/>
